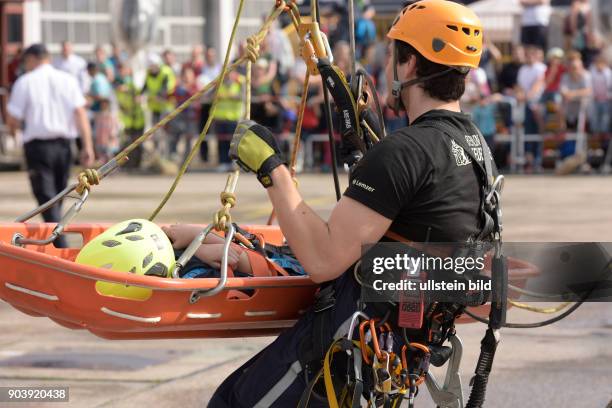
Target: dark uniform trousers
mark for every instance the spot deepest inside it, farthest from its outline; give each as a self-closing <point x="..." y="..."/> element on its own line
<point x="274" y="377"/>
<point x="48" y="164"/>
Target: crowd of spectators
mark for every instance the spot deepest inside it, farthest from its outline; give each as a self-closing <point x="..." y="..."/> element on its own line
<point x="551" y="87"/>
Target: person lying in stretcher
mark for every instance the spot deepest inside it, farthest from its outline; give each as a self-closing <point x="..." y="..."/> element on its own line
<point x="207" y="259"/>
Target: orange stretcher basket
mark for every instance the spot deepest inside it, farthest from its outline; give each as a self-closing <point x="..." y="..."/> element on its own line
<point x="44" y="281"/>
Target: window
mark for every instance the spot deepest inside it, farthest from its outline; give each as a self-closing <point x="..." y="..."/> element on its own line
<point x="58" y="31"/>
<point x="101" y="6"/>
<point x="178" y="34"/>
<point x="82" y="6"/>
<point x="196" y="7"/>
<point x="55" y="5"/>
<point x="82" y="33"/>
<point x="103" y="34"/>
<point x="15" y="28"/>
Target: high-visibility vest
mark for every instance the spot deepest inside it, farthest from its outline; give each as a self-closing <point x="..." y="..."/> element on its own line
<point x="229" y="105"/>
<point x="131" y="113"/>
<point x="157" y="85"/>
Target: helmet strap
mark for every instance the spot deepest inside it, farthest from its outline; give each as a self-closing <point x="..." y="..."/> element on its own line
<point x="398" y="86"/>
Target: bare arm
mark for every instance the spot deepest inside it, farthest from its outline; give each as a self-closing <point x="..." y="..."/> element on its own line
<point x="82" y="122"/>
<point x="325" y="249"/>
<point x="13" y="124"/>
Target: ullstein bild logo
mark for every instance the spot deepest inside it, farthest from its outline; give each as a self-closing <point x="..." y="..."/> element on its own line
<point x="363" y="185"/>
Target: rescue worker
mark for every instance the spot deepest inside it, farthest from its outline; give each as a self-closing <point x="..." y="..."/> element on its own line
<point x="131" y="114"/>
<point x="418" y="183"/>
<point x="159" y="88"/>
<point x="227" y="114"/>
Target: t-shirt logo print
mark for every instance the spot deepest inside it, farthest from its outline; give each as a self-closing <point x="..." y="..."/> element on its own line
<point x="461" y="157"/>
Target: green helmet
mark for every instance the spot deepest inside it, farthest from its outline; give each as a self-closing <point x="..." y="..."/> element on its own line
<point x="133" y="246"/>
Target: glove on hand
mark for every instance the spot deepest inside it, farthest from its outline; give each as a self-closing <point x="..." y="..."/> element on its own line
<point x="255" y="149"/>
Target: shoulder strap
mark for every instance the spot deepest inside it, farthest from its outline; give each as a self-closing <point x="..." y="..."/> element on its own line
<point x="486" y="167"/>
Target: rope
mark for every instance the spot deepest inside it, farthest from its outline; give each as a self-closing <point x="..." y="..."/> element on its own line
<point x="545" y="310"/>
<point x="87" y="178"/>
<point x="250" y="56"/>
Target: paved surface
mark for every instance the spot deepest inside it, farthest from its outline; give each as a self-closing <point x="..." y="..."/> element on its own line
<point x="565" y="365"/>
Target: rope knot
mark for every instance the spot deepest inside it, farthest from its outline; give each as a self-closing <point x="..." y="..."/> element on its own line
<point x="87" y="178"/>
<point x="228" y="199"/>
<point x="252" y="48"/>
<point x="222" y="219"/>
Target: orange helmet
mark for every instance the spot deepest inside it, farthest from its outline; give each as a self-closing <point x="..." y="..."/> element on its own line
<point x="442" y="31"/>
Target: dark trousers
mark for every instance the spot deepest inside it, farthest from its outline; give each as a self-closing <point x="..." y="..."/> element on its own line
<point x="535" y="35"/>
<point x="48" y="164"/>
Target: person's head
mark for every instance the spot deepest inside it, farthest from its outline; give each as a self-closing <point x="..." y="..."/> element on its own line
<point x="555" y="56"/>
<point x="369" y="12"/>
<point x="518" y="54"/>
<point x="574" y="64"/>
<point x="342" y="56"/>
<point x="434" y="44"/>
<point x="92" y="68"/>
<point x="187" y="75"/>
<point x="34" y="56"/>
<point x="115" y="49"/>
<point x="154" y="63"/>
<point x="100" y="53"/>
<point x="197" y="53"/>
<point x="211" y="56"/>
<point x="66" y="49"/>
<point x="600" y="61"/>
<point x="533" y="54"/>
<point x="105" y="105"/>
<point x="169" y="57"/>
<point x="260" y="68"/>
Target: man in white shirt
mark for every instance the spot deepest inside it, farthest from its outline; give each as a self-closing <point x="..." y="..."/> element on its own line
<point x="51" y="107"/>
<point x="74" y="65"/>
<point x="534" y="23"/>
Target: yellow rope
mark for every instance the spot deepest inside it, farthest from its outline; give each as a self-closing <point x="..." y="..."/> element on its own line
<point x="545" y="310"/>
<point x="251" y="54"/>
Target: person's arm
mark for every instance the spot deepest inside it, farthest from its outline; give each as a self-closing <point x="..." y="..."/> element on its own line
<point x="82" y="122"/>
<point x="325" y="249"/>
<point x="536" y="88"/>
<point x="16" y="107"/>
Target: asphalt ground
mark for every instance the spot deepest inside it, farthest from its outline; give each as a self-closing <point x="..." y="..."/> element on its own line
<point x="568" y="364"/>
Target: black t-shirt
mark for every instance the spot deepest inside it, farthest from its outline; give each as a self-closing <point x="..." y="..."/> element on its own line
<point x="423" y="180"/>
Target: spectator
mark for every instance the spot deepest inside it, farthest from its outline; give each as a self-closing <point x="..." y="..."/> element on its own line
<point x="74" y="65"/>
<point x="210" y="71"/>
<point x="105" y="66"/>
<point x="106" y="131"/>
<point x="265" y="108"/>
<point x="117" y="59"/>
<point x="551" y="97"/>
<point x="507" y="79"/>
<point x="282" y="51"/>
<point x="15" y="67"/>
<point x="601" y="81"/>
<point x="578" y="25"/>
<point x="365" y="30"/>
<point x="576" y="89"/>
<point x="491" y="58"/>
<point x="475" y="86"/>
<point x="230" y="109"/>
<point x="159" y="85"/>
<point x="100" y="87"/>
<point x="197" y="62"/>
<point x="483" y="114"/>
<point x="534" y="23"/>
<point x="169" y="59"/>
<point x="131" y="114"/>
<point x="342" y="57"/>
<point x="185" y="125"/>
<point x="530" y="85"/>
<point x="52" y="107"/>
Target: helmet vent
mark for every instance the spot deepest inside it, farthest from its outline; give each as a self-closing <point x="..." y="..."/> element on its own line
<point x="111" y="243"/>
<point x="420" y="7"/>
<point x="158" y="269"/>
<point x="453" y="27"/>
<point x="437" y="44"/>
<point x="471" y="48"/>
<point x="147" y="260"/>
<point x="132" y="227"/>
<point x="135" y="238"/>
<point x="133" y="270"/>
<point x="476" y="33"/>
<point x="466" y="30"/>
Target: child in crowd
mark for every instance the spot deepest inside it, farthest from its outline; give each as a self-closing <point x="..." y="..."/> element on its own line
<point x="185" y="125"/>
<point x="106" y="131"/>
<point x="483" y="115"/>
<point x="601" y="82"/>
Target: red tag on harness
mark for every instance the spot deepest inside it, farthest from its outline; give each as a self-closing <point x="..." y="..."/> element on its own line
<point x="411" y="303"/>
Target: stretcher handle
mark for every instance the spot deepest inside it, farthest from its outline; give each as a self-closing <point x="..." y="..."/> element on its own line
<point x="103" y="171"/>
<point x="20" y="240"/>
<point x="197" y="294"/>
<point x="190" y="251"/>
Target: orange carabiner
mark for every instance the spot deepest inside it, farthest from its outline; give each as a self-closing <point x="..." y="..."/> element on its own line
<point x="362" y="343"/>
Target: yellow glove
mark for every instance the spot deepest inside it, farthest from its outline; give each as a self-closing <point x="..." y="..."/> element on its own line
<point x="255" y="149"/>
